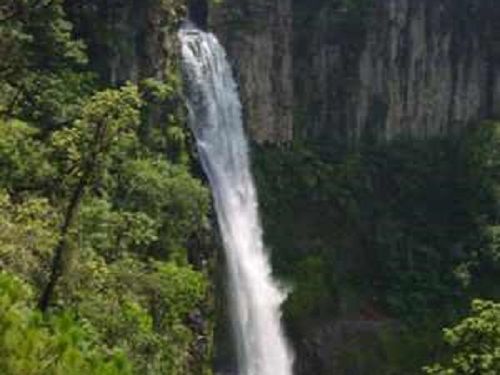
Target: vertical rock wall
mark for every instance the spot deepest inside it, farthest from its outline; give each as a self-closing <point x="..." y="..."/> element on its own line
<point x="258" y="37"/>
<point x="330" y="70"/>
<point x="323" y="70"/>
<point x="423" y="70"/>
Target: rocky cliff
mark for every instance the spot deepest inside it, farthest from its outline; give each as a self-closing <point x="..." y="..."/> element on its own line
<point x="346" y="70"/>
<point x="259" y="38"/>
<point x="339" y="70"/>
<point x="128" y="40"/>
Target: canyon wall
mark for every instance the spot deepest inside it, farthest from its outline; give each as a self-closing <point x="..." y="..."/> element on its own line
<point x="322" y="70"/>
<point x="258" y="36"/>
<point x="349" y="70"/>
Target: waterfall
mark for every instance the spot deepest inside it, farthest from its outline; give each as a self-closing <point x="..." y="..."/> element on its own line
<point x="216" y="121"/>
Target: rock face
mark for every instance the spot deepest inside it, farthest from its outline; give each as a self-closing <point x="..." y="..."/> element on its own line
<point x="128" y="39"/>
<point x="331" y="70"/>
<point x="258" y="37"/>
<point x="323" y="70"/>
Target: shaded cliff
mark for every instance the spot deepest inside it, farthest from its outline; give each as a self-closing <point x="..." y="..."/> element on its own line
<point x="322" y="70"/>
<point x="258" y="37"/>
<point x="345" y="70"/>
<point x="129" y="40"/>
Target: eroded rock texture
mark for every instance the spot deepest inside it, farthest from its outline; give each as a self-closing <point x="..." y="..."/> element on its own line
<point x="328" y="70"/>
<point x="258" y="37"/>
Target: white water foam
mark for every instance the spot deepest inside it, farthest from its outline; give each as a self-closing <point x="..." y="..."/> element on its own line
<point x="216" y="120"/>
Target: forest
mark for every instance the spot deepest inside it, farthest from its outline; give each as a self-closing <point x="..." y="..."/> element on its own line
<point x="111" y="257"/>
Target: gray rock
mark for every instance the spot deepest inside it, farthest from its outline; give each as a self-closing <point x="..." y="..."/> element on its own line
<point x="313" y="69"/>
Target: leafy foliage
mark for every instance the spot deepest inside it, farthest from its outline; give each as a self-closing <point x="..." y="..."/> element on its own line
<point x="167" y="194"/>
<point x="98" y="211"/>
<point x="475" y="343"/>
<point x="406" y="230"/>
<point x="421" y="213"/>
<point x="31" y="344"/>
<point x="41" y="74"/>
<point x="141" y="308"/>
<point x="23" y="159"/>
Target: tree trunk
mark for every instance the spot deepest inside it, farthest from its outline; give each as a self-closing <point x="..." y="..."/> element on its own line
<point x="62" y="245"/>
<point x="57" y="268"/>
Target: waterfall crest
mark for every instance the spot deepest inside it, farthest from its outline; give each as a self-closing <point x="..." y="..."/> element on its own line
<point x="216" y="121"/>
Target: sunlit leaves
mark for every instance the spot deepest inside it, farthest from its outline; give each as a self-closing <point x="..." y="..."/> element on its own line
<point x="167" y="194"/>
<point x="112" y="232"/>
<point x="28" y="232"/>
<point x="475" y="343"/>
<point x="104" y="119"/>
<point x="32" y="345"/>
<point x="78" y="174"/>
<point x="141" y="307"/>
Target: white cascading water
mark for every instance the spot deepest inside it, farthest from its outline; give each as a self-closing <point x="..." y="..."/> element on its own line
<point x="215" y="118"/>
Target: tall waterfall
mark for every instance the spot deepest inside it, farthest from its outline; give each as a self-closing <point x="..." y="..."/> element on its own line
<point x="215" y="118"/>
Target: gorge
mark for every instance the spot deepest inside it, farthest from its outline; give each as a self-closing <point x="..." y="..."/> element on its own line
<point x="341" y="76"/>
<point x="314" y="182"/>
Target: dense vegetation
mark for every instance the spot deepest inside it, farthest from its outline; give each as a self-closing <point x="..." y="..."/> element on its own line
<point x="399" y="237"/>
<point x="98" y="209"/>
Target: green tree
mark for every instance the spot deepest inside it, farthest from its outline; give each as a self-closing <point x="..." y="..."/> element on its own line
<point x="474" y="343"/>
<point x="140" y="307"/>
<point x="28" y="233"/>
<point x="32" y="345"/>
<point x="24" y="163"/>
<point x="169" y="195"/>
<point x="85" y="150"/>
<point x="98" y="209"/>
<point x="37" y="76"/>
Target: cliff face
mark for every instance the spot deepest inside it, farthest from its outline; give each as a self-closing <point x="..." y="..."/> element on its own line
<point x="322" y="70"/>
<point x="128" y="40"/>
<point x="339" y="70"/>
<point x="258" y="37"/>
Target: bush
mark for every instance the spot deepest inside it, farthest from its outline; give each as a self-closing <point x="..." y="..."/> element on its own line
<point x="474" y="343"/>
<point x="31" y="344"/>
